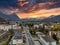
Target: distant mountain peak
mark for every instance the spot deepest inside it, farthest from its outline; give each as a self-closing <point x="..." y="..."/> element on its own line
<point x="12" y="17"/>
<point x="52" y="19"/>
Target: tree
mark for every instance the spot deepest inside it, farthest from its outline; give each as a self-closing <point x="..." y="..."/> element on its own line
<point x="11" y="31"/>
<point x="30" y="24"/>
<point x="55" y="37"/>
<point x="20" y="24"/>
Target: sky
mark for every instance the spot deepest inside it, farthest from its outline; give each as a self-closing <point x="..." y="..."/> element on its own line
<point x="30" y="8"/>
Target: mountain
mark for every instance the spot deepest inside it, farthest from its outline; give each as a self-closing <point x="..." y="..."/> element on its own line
<point x="31" y="19"/>
<point x="3" y="21"/>
<point x="12" y="17"/>
<point x="49" y="19"/>
<point x="52" y="19"/>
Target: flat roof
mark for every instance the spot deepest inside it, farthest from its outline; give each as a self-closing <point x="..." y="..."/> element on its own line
<point x="18" y="36"/>
<point x="48" y="39"/>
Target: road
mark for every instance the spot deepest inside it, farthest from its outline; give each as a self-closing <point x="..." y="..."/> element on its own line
<point x="37" y="43"/>
<point x="30" y="40"/>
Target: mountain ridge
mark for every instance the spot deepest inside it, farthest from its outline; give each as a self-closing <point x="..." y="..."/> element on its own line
<point x="52" y="19"/>
<point x="12" y="17"/>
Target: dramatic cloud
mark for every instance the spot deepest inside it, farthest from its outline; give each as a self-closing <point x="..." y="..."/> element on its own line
<point x="40" y="13"/>
<point x="31" y="8"/>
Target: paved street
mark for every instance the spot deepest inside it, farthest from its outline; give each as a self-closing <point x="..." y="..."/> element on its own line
<point x="37" y="43"/>
<point x="30" y="40"/>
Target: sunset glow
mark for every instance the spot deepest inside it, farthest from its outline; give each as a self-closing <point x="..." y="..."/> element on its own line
<point x="40" y="13"/>
<point x="39" y="10"/>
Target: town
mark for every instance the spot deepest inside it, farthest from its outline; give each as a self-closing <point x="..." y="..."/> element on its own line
<point x="29" y="22"/>
<point x="29" y="33"/>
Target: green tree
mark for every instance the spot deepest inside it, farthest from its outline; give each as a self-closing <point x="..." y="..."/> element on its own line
<point x="30" y="24"/>
<point x="11" y="31"/>
<point x="55" y="37"/>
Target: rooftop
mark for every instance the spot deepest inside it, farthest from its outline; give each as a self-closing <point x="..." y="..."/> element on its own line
<point x="48" y="39"/>
<point x="18" y="36"/>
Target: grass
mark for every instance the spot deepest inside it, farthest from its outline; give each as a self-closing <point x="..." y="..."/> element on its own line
<point x="34" y="35"/>
<point x="7" y="42"/>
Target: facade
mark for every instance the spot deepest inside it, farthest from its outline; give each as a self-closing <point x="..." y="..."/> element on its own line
<point x="45" y="40"/>
<point x="7" y="27"/>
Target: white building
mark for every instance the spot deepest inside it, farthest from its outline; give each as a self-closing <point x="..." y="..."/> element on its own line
<point x="7" y="27"/>
<point x="41" y="25"/>
<point x="40" y="34"/>
<point x="17" y="39"/>
<point x="45" y="40"/>
<point x="49" y="26"/>
<point x="36" y="26"/>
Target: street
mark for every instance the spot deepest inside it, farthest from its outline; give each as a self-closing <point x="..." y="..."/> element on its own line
<point x="37" y="43"/>
<point x="30" y="40"/>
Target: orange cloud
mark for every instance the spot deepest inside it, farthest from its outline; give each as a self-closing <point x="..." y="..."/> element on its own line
<point x="35" y="7"/>
<point x="21" y="3"/>
<point x="40" y="13"/>
<point x="38" y="10"/>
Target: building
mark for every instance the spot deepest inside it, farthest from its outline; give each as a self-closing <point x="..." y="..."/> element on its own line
<point x="7" y="27"/>
<point x="36" y="26"/>
<point x="46" y="40"/>
<point x="17" y="39"/>
<point x="40" y="34"/>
